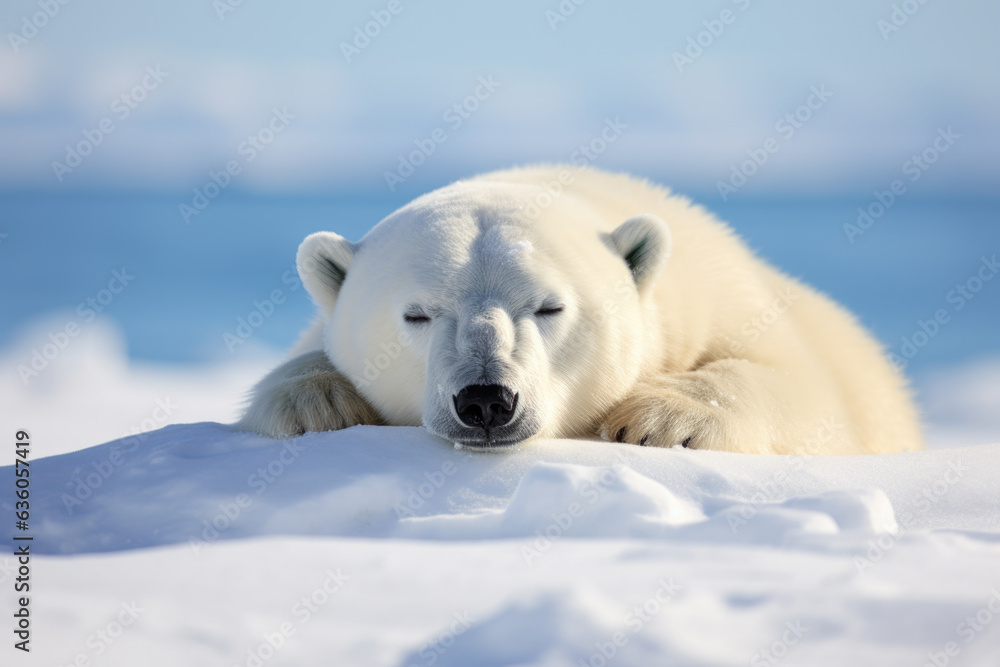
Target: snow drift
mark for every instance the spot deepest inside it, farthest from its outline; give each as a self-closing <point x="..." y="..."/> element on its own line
<point x="386" y="546"/>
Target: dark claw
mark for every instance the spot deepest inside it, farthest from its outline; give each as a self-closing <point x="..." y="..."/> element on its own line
<point x="620" y="435"/>
<point x="687" y="441"/>
<point x="642" y="443"/>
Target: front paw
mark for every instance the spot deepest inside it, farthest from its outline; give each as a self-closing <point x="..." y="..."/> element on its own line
<point x="659" y="417"/>
<point x="318" y="402"/>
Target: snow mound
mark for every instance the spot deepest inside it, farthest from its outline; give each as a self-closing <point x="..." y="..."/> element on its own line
<point x="387" y="547"/>
<point x="611" y="502"/>
<point x="554" y="628"/>
<point x="201" y="483"/>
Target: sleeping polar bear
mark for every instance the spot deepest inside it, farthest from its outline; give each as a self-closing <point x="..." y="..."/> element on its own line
<point x="573" y="303"/>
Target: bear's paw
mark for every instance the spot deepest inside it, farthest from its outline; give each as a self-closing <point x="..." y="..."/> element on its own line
<point x="657" y="416"/>
<point x="324" y="401"/>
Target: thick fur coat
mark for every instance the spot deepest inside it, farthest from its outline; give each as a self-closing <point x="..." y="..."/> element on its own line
<point x="565" y="302"/>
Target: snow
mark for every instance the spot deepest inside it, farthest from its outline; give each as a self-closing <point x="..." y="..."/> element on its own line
<point x="962" y="405"/>
<point x="194" y="544"/>
<point x="541" y="555"/>
<point x="90" y="392"/>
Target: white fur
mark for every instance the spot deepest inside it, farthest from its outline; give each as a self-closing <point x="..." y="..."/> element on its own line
<point x="662" y="352"/>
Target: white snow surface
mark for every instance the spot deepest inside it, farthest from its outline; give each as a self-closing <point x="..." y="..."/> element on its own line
<point x="195" y="545"/>
<point x="541" y="555"/>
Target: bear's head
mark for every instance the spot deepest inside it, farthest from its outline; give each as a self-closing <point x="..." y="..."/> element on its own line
<point x="487" y="319"/>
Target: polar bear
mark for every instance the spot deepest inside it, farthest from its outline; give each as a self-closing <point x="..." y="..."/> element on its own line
<point x="568" y="302"/>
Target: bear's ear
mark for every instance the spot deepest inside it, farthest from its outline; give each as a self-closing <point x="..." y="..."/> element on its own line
<point x="323" y="261"/>
<point x="645" y="243"/>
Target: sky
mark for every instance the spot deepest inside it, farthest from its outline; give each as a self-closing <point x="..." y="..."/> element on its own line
<point x="696" y="89"/>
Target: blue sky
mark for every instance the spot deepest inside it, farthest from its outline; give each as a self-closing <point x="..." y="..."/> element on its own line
<point x="557" y="86"/>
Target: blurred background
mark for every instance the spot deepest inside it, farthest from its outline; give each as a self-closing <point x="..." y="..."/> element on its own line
<point x="160" y="162"/>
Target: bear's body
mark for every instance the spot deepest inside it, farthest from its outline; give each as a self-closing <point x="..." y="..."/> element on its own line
<point x="566" y="302"/>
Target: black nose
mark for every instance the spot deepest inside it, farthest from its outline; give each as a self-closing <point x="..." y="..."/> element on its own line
<point x="485" y="405"/>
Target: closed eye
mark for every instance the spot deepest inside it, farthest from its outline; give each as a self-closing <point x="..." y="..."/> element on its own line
<point x="416" y="318"/>
<point x="546" y="311"/>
